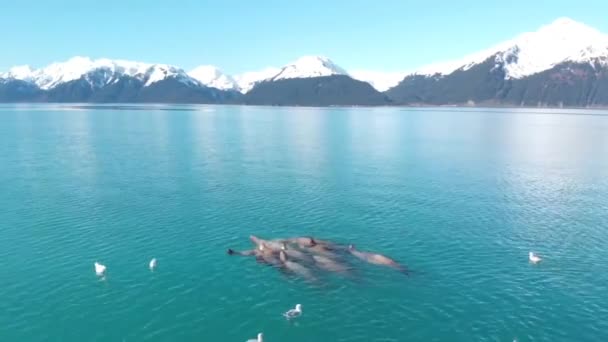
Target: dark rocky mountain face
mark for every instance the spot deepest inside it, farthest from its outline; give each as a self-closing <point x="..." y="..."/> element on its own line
<point x="18" y="91"/>
<point x="73" y="91"/>
<point x="482" y="82"/>
<point x="171" y="90"/>
<point x="566" y="84"/>
<point x="335" y="90"/>
<point x="123" y="89"/>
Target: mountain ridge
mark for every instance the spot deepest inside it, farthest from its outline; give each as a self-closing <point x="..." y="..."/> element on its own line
<point x="329" y="90"/>
<point x="544" y="67"/>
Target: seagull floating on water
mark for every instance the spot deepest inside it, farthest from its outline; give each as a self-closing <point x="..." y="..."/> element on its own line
<point x="100" y="269"/>
<point x="153" y="264"/>
<point x="259" y="339"/>
<point x="535" y="259"/>
<point x="294" y="313"/>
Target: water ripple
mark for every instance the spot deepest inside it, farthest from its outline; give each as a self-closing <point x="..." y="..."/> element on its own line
<point x="460" y="206"/>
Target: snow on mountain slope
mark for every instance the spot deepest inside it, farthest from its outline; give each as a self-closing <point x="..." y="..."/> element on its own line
<point x="20" y="72"/>
<point x="303" y="67"/>
<point x="213" y="77"/>
<point x="246" y="81"/>
<point x="381" y="81"/>
<point x="159" y="72"/>
<point x="529" y="53"/>
<point x="309" y="66"/>
<point x="533" y="52"/>
<point x="591" y="54"/>
<point x="77" y="67"/>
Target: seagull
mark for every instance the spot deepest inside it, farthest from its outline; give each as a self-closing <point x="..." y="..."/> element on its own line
<point x="153" y="264"/>
<point x="259" y="339"/>
<point x="535" y="259"/>
<point x="100" y="269"/>
<point x="294" y="313"/>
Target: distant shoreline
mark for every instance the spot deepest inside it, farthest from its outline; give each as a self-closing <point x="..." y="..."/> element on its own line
<point x="148" y="105"/>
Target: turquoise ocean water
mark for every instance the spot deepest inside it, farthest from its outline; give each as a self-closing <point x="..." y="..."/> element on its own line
<point x="460" y="196"/>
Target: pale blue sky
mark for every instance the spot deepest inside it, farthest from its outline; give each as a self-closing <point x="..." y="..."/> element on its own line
<point x="247" y="35"/>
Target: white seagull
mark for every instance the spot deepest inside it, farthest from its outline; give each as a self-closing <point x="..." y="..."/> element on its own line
<point x="153" y="264"/>
<point x="535" y="259"/>
<point x="100" y="269"/>
<point x="294" y="313"/>
<point x="259" y="339"/>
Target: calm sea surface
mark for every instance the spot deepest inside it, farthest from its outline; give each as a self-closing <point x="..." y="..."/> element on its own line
<point x="460" y="196"/>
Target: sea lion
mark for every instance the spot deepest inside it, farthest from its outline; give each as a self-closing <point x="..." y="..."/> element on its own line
<point x="231" y="251"/>
<point x="267" y="256"/>
<point x="297" y="255"/>
<point x="296" y="268"/>
<point x="311" y="245"/>
<point x="309" y="241"/>
<point x="272" y="245"/>
<point x="323" y="250"/>
<point x="262" y="254"/>
<point x="377" y="259"/>
<point x="330" y="264"/>
<point x="302" y="241"/>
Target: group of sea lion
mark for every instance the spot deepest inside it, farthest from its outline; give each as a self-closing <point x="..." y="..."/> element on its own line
<point x="302" y="256"/>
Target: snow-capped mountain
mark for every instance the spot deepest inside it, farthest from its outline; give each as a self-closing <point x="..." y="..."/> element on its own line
<point x="303" y="67"/>
<point x="248" y="80"/>
<point x="101" y="72"/>
<point x="564" y="63"/>
<point x="533" y="52"/>
<point x="97" y="72"/>
<point x="313" y="81"/>
<point x="309" y="66"/>
<point x="81" y="79"/>
<point x="211" y="76"/>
